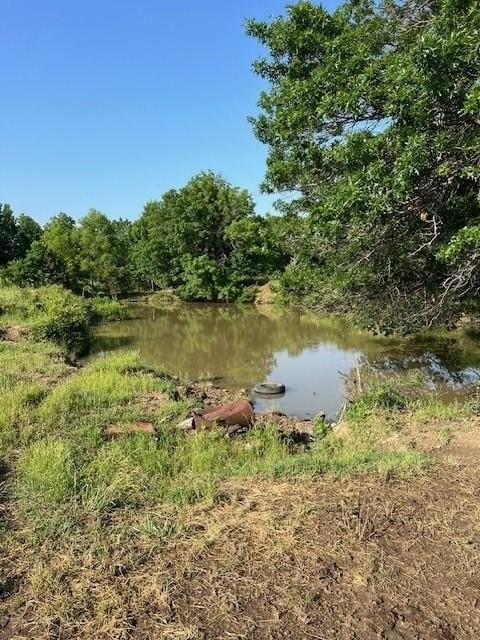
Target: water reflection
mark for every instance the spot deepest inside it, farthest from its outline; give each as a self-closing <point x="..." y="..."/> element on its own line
<point x="241" y="345"/>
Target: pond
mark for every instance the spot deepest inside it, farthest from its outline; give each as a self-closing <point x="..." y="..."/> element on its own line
<point x="239" y="346"/>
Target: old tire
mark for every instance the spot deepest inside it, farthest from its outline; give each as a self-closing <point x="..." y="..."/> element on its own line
<point x="269" y="388"/>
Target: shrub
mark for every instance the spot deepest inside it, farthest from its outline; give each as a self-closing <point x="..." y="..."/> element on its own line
<point x="49" y="313"/>
<point x="247" y="296"/>
<point x="65" y="321"/>
<point x="107" y="310"/>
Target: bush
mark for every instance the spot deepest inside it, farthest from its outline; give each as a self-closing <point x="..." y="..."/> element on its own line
<point x="383" y="396"/>
<point x="49" y="313"/>
<point x="107" y="310"/>
<point x="247" y="296"/>
<point x="203" y="279"/>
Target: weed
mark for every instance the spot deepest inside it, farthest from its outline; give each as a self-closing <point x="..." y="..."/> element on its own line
<point x="445" y="436"/>
<point x="159" y="529"/>
<point x="107" y="309"/>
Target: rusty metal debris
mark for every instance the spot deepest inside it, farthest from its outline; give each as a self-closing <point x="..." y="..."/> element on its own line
<point x="234" y="416"/>
<point x="236" y="413"/>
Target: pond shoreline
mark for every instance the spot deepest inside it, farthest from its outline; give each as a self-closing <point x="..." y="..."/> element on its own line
<point x="240" y="346"/>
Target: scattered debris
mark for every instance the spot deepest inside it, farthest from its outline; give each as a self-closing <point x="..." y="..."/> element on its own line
<point x="237" y="417"/>
<point x="115" y="431"/>
<point x="269" y="389"/>
<point x="291" y="426"/>
<point x="187" y="424"/>
<point x="235" y="414"/>
<point x="207" y="394"/>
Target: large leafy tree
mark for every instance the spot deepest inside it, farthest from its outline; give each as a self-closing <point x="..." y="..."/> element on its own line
<point x="102" y="253"/>
<point x="28" y="231"/>
<point x="372" y="117"/>
<point x="152" y="248"/>
<point x="16" y="234"/>
<point x="186" y="231"/>
<point x="258" y="248"/>
<point x="40" y="266"/>
<point x="61" y="238"/>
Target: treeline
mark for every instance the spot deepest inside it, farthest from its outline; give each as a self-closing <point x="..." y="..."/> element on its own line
<point x="372" y="122"/>
<point x="204" y="240"/>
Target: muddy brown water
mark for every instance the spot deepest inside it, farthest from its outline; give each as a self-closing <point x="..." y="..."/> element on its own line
<point x="239" y="346"/>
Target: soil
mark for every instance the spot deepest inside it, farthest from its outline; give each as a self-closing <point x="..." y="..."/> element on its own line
<point x="356" y="560"/>
<point x="13" y="334"/>
<point x="342" y="559"/>
<point x="207" y="394"/>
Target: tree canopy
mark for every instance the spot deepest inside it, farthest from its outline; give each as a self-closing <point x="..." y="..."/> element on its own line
<point x="16" y="234"/>
<point x="198" y="238"/>
<point x="203" y="239"/>
<point x="372" y="117"/>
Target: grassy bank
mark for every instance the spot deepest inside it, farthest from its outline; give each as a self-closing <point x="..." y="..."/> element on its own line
<point x="54" y="314"/>
<point x="101" y="538"/>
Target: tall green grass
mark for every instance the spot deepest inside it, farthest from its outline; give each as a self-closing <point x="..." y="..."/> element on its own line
<point x="53" y="417"/>
<point x="47" y="472"/>
<point x="27" y="372"/>
<point x="104" y="383"/>
<point x="107" y="309"/>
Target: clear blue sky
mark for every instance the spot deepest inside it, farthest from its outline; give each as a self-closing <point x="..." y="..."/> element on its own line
<point x="108" y="103"/>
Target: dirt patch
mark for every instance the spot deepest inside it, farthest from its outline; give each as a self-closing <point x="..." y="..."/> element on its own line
<point x="455" y="442"/>
<point x="13" y="334"/>
<point x="291" y="427"/>
<point x="363" y="559"/>
<point x="207" y="394"/>
<point x="357" y="559"/>
<point x="122" y="429"/>
<point x="155" y="400"/>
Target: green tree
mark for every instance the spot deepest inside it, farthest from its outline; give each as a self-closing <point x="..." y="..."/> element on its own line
<point x="40" y="266"/>
<point x="27" y="232"/>
<point x="102" y="253"/>
<point x="61" y="237"/>
<point x="152" y="244"/>
<point x="8" y="234"/>
<point x="258" y="250"/>
<point x="372" y="118"/>
<point x="203" y="279"/>
<point x="186" y="225"/>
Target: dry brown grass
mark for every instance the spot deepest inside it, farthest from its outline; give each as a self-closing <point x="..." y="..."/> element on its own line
<point x="357" y="558"/>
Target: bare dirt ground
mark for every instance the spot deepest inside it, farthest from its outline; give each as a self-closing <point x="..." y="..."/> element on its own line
<point x="348" y="559"/>
<point x="353" y="559"/>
